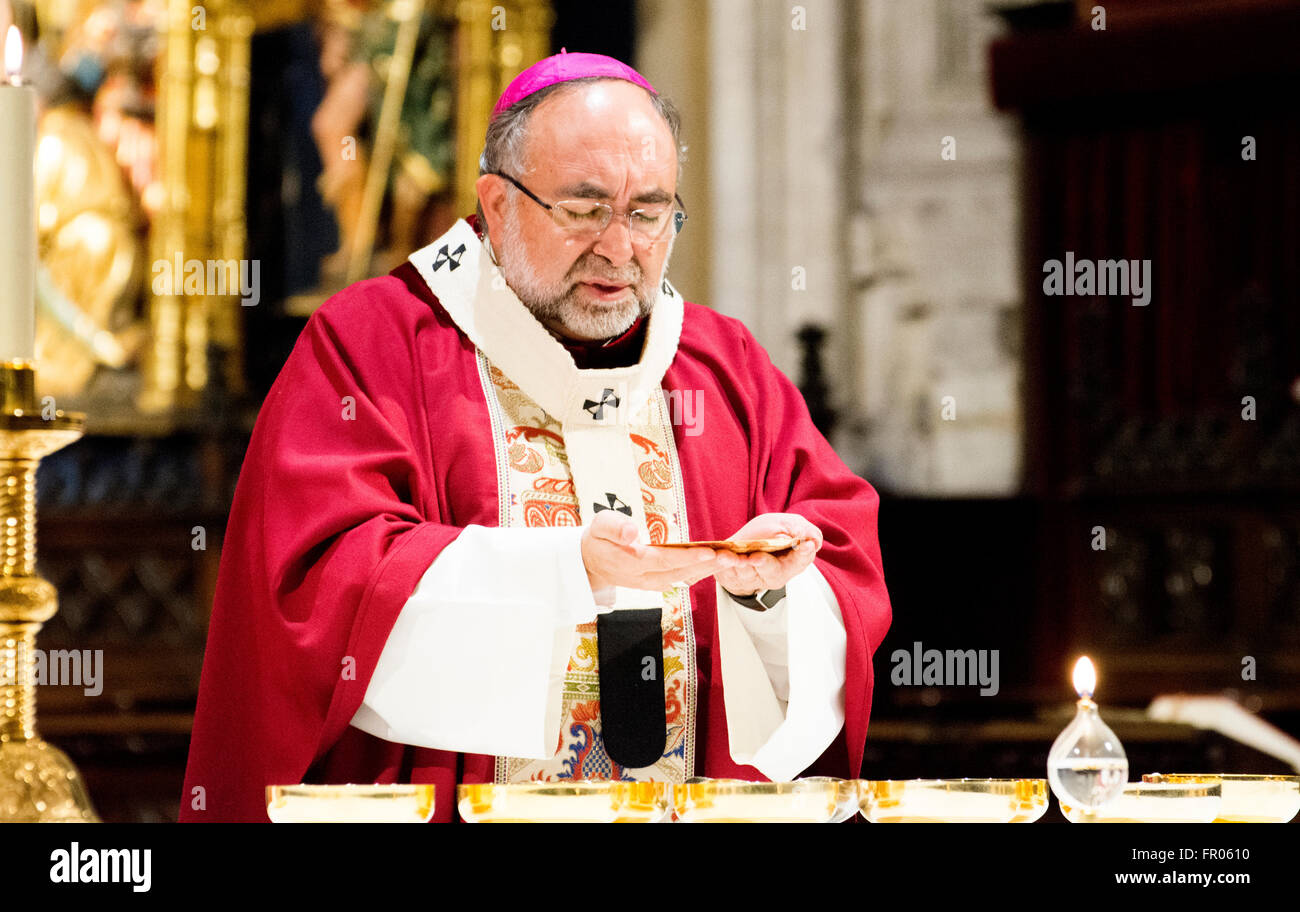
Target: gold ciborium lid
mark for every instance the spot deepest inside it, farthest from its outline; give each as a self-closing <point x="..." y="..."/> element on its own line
<point x="350" y="803"/>
<point x="954" y="800"/>
<point x="564" y="801"/>
<point x="1246" y="797"/>
<point x="814" y="800"/>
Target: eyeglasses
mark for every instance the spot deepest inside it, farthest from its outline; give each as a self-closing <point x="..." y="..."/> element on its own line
<point x="592" y="216"/>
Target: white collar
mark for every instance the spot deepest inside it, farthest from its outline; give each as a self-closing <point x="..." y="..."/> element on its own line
<point x="472" y="290"/>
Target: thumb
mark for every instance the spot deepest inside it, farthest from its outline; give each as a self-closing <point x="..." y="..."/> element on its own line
<point x="801" y="527"/>
<point x="614" y="526"/>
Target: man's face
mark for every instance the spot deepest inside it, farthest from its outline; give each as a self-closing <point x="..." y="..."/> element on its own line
<point x="603" y="141"/>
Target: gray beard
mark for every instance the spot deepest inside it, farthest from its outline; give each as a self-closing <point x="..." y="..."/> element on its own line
<point x="559" y="303"/>
<point x="582" y="319"/>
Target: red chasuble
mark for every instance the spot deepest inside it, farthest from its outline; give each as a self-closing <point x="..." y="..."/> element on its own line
<point x="374" y="448"/>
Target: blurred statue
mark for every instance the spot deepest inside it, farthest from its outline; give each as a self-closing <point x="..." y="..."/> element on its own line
<point x="96" y="180"/>
<point x="361" y="52"/>
<point x="90" y="254"/>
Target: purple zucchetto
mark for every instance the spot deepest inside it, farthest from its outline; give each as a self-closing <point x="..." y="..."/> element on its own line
<point x="565" y="67"/>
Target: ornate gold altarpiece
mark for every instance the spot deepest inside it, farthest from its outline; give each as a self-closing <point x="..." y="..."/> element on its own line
<point x="202" y="77"/>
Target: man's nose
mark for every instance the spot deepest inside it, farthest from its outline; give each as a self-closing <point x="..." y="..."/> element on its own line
<point x="615" y="242"/>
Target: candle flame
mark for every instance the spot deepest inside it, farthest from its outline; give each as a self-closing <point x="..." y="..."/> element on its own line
<point x="13" y="53"/>
<point x="1085" y="677"/>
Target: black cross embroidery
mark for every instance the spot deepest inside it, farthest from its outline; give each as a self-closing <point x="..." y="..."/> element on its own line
<point x="445" y="257"/>
<point x="614" y="504"/>
<point x="667" y="290"/>
<point x="597" y="409"/>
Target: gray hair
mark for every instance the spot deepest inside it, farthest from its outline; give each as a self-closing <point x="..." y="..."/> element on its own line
<point x="503" y="148"/>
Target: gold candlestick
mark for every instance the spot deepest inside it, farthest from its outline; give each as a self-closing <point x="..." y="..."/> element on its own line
<point x="38" y="783"/>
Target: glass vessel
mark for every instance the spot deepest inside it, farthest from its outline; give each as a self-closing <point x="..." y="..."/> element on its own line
<point x="1086" y="767"/>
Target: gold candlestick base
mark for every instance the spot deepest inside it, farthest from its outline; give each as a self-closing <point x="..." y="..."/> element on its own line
<point x="38" y="783"/>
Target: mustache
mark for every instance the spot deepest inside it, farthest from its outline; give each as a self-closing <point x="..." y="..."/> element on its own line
<point x="595" y="268"/>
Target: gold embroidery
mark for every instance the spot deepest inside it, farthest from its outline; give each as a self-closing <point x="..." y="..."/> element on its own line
<point x="537" y="490"/>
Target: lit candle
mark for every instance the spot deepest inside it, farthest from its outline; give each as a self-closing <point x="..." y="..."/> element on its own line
<point x="17" y="208"/>
<point x="1086" y="767"/>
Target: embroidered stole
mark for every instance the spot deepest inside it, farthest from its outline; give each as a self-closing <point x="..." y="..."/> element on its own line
<point x="569" y="444"/>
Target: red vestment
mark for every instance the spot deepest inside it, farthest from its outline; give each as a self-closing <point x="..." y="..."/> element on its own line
<point x="371" y="451"/>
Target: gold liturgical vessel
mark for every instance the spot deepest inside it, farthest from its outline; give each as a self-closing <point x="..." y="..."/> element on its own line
<point x="38" y="783"/>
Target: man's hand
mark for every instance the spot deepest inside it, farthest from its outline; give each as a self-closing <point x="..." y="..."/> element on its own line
<point x="762" y="570"/>
<point x="614" y="557"/>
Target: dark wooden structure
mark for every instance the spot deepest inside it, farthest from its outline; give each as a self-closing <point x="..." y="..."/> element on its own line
<point x="1175" y="426"/>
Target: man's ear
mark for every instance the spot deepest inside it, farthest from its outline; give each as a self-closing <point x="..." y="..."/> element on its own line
<point x="492" y="198"/>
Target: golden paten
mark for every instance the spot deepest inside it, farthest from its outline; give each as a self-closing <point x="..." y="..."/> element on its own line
<point x="350" y="803"/>
<point x="954" y="800"/>
<point x="1246" y="798"/>
<point x="564" y="801"/>
<point x="38" y="783"/>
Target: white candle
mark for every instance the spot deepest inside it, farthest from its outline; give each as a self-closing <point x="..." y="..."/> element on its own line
<point x="17" y="208"/>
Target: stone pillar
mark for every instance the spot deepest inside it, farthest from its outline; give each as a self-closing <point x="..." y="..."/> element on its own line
<point x="829" y="199"/>
<point x="776" y="153"/>
<point x="934" y="240"/>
